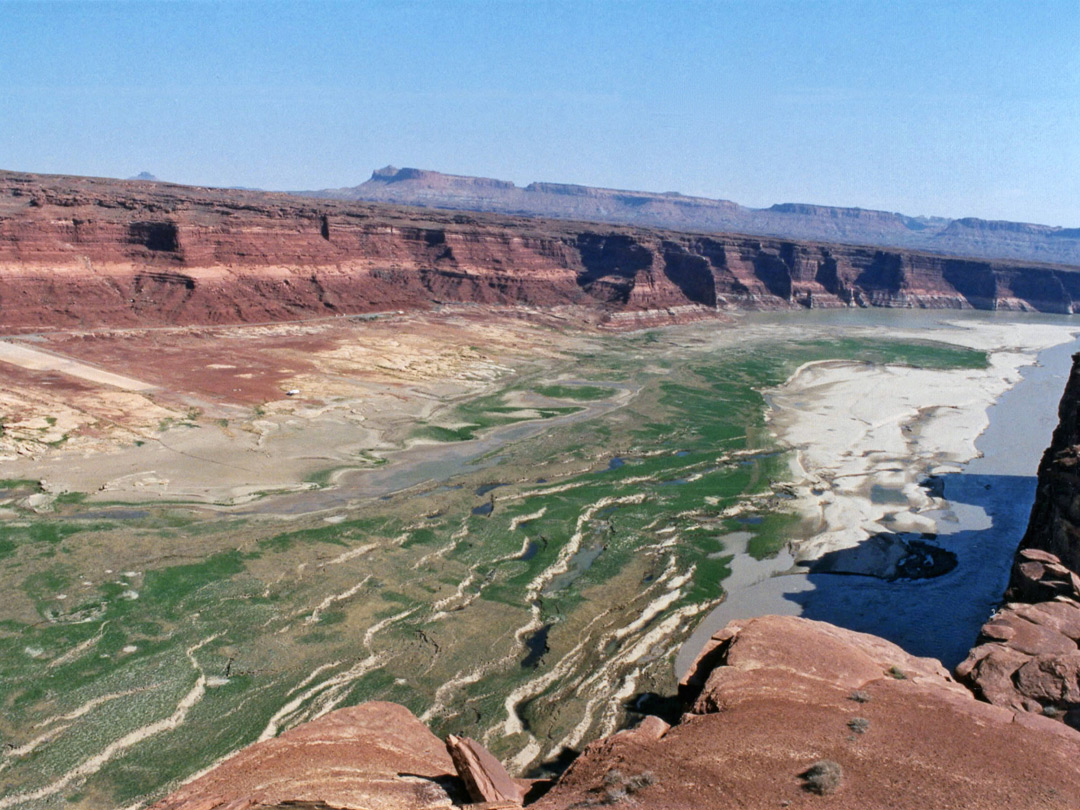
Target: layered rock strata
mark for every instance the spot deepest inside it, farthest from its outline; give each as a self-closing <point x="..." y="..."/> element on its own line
<point x="85" y="252"/>
<point x="1028" y="656"/>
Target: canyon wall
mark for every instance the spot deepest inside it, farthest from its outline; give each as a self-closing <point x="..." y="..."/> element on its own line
<point x="86" y="252"/>
<point x="1028" y="656"/>
<point x="1055" y="518"/>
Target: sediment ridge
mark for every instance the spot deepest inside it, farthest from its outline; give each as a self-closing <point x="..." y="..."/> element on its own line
<point x="88" y="252"/>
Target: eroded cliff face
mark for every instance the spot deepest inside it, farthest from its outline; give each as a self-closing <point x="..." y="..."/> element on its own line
<point x="85" y="252"/>
<point x="1028" y="658"/>
<point x="1055" y="516"/>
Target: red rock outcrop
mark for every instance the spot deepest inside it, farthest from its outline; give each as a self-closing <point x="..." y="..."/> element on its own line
<point x="784" y="693"/>
<point x="375" y="756"/>
<point x="86" y="252"/>
<point x="484" y="776"/>
<point x="1028" y="655"/>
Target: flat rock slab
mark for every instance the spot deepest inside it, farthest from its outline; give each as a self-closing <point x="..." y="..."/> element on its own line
<point x="484" y="776"/>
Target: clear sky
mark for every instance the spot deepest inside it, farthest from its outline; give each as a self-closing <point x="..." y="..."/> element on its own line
<point x="947" y="107"/>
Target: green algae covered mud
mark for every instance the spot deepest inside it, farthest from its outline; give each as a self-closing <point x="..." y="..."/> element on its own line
<point x="524" y="570"/>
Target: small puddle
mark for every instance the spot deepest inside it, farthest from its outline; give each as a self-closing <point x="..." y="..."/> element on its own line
<point x="579" y="563"/>
<point x="886" y="495"/>
<point x="537" y="646"/>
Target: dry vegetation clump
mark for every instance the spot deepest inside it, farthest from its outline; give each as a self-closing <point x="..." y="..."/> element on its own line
<point x="618" y="787"/>
<point x="823" y="777"/>
<point x="859" y="725"/>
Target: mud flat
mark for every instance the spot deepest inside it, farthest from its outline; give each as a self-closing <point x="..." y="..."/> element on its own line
<point x="36" y="360"/>
<point x="507" y="526"/>
<point x="210" y="421"/>
<point x="913" y="486"/>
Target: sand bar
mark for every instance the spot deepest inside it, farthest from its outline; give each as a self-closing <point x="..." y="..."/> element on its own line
<point x="865" y="438"/>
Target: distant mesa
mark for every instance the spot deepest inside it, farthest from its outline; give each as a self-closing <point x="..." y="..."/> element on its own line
<point x="145" y="176"/>
<point x="797" y="221"/>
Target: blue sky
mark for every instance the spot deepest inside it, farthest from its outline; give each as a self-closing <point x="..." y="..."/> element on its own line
<point x="949" y="108"/>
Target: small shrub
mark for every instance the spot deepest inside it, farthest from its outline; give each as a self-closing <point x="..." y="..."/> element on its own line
<point x="859" y="725"/>
<point x="897" y="673"/>
<point x="613" y="794"/>
<point x="859" y="696"/>
<point x="823" y="777"/>
<point x="614" y="777"/>
<point x="642" y="780"/>
<point x="1051" y="711"/>
<point x="618" y="787"/>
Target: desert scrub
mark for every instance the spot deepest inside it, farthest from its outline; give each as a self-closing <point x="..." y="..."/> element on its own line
<point x="823" y="777"/>
<point x="860" y="696"/>
<point x="860" y="725"/>
<point x="897" y="673"/>
<point x="618" y="787"/>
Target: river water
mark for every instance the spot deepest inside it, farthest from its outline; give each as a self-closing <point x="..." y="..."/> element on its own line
<point x="988" y="506"/>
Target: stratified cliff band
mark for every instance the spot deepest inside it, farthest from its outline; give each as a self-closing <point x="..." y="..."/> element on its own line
<point x="85" y="252"/>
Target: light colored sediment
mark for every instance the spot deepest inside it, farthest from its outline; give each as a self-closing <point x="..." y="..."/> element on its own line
<point x="37" y="360"/>
<point x="856" y="427"/>
<point x="216" y="400"/>
<point x="860" y="428"/>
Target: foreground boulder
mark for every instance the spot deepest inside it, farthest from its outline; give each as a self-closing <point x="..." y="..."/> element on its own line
<point x="376" y="756"/>
<point x="799" y="713"/>
<point x="1028" y="658"/>
<point x="484" y="776"/>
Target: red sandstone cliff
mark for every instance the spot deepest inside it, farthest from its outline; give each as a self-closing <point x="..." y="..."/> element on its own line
<point x="797" y="221"/>
<point x="86" y="252"/>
